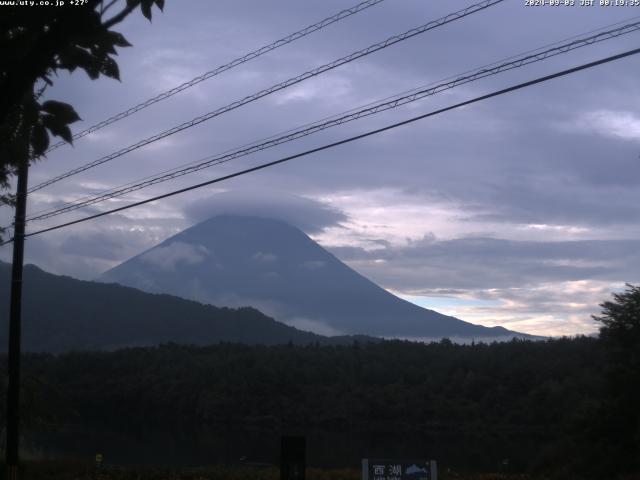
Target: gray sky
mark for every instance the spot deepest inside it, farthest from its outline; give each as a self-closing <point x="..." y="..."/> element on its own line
<point x="519" y="211"/>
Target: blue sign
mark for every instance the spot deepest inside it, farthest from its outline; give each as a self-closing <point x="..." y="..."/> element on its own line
<point x="385" y="469"/>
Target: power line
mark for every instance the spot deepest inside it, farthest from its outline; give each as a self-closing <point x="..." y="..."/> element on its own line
<point x="223" y="68"/>
<point x="374" y="108"/>
<point x="354" y="109"/>
<point x="347" y="140"/>
<point x="209" y="161"/>
<point x="277" y="87"/>
<point x="497" y="62"/>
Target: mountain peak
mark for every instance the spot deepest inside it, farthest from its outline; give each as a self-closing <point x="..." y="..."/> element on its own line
<point x="238" y="260"/>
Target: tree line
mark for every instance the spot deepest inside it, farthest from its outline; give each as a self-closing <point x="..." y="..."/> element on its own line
<point x="536" y="404"/>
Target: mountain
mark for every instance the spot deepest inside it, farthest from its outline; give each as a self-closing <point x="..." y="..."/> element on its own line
<point x="61" y="314"/>
<point x="272" y="266"/>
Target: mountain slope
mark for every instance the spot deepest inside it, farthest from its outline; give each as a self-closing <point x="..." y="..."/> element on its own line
<point x="61" y="314"/>
<point x="272" y="266"/>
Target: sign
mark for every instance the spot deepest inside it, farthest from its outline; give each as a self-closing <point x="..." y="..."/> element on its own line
<point x="384" y="469"/>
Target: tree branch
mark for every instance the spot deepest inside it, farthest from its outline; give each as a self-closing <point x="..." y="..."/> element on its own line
<point x="107" y="7"/>
<point x="119" y="17"/>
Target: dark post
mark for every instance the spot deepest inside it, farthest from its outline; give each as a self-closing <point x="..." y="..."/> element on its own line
<point x="292" y="458"/>
<point x="13" y="390"/>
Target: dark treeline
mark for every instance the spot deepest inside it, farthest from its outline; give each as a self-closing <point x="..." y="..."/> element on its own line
<point x="538" y="404"/>
<point x="62" y="314"/>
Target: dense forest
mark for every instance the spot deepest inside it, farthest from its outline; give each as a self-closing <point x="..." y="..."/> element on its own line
<point x="537" y="407"/>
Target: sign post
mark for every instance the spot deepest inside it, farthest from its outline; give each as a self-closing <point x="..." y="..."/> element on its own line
<point x="292" y="458"/>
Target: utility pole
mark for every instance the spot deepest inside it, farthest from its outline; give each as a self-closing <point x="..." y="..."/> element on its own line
<point x="15" y="311"/>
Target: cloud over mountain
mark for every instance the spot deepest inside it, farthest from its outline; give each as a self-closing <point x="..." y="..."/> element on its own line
<point x="311" y="216"/>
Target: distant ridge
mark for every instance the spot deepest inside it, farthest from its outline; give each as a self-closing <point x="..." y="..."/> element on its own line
<point x="242" y="260"/>
<point x="62" y="314"/>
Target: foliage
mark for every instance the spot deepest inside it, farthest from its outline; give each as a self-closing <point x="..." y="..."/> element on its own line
<point x="84" y="471"/>
<point x="621" y="320"/>
<point x="468" y="406"/>
<point x="620" y="416"/>
<point x="38" y="42"/>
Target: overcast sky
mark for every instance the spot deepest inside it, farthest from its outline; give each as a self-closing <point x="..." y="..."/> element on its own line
<point x="521" y="211"/>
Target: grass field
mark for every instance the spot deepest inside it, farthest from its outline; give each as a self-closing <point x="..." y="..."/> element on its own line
<point x="67" y="470"/>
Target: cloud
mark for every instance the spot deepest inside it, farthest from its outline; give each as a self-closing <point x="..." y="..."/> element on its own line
<point x="87" y="250"/>
<point x="339" y="88"/>
<point x="167" y="257"/>
<point x="616" y="124"/>
<point x="547" y="309"/>
<point x="96" y="245"/>
<point x="315" y="326"/>
<point x="541" y="288"/>
<point x="309" y="215"/>
<point x="485" y="263"/>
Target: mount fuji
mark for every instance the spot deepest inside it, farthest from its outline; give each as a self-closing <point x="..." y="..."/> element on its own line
<point x="235" y="261"/>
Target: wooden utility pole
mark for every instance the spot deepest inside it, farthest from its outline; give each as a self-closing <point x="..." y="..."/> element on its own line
<point x="15" y="311"/>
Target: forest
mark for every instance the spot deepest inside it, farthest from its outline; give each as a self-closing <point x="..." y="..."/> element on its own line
<point x="543" y="408"/>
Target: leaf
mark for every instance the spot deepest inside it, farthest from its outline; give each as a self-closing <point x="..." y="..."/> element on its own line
<point x="104" y="43"/>
<point x="118" y="39"/>
<point x="145" y="6"/>
<point x="65" y="133"/>
<point x="8" y="199"/>
<point x="63" y="111"/>
<point x="110" y="68"/>
<point x="57" y="128"/>
<point x="92" y="70"/>
<point x="74" y="57"/>
<point x="39" y="140"/>
<point x="160" y="4"/>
